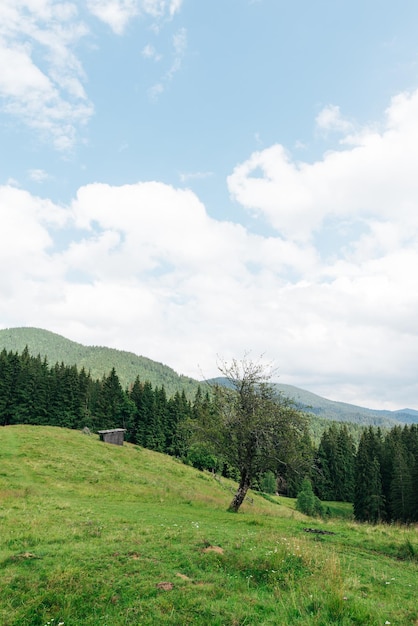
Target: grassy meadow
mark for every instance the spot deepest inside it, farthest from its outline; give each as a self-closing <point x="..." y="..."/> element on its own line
<point x="100" y="535"/>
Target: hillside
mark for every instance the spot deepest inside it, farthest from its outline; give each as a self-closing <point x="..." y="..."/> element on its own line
<point x="96" y="359"/>
<point x="344" y="412"/>
<point x="100" y="534"/>
<point x="100" y="360"/>
<point x="326" y="410"/>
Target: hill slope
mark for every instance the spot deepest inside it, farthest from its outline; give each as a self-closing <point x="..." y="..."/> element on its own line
<point x="100" y="534"/>
<point x="340" y="411"/>
<point x="344" y="412"/>
<point x="98" y="360"/>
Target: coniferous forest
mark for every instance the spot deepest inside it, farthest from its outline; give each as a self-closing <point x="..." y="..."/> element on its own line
<point x="379" y="475"/>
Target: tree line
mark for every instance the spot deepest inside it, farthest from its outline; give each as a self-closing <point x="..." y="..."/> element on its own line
<point x="32" y="392"/>
<point x="380" y="475"/>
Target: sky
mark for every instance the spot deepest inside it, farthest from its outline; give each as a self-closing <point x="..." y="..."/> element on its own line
<point x="197" y="180"/>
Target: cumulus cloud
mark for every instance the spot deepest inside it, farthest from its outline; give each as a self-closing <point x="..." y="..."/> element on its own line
<point x="26" y="243"/>
<point x="148" y="269"/>
<point x="41" y="82"/>
<point x="373" y="177"/>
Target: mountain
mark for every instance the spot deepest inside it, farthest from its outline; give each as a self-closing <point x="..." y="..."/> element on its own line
<point x="411" y="412"/>
<point x="100" y="360"/>
<point x="341" y="411"/>
<point x="344" y="412"/>
<point x="96" y="359"/>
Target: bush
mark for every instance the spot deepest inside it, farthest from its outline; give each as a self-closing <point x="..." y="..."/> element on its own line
<point x="307" y="502"/>
<point x="268" y="482"/>
<point x="201" y="458"/>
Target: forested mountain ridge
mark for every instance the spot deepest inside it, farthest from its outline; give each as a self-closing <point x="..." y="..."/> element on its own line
<point x="330" y="409"/>
<point x="97" y="360"/>
<point x="341" y="411"/>
<point x="100" y="360"/>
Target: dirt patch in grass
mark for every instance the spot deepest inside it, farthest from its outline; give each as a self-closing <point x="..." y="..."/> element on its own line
<point x="216" y="549"/>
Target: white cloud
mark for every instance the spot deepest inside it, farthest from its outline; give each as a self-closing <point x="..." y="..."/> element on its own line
<point x="373" y="177"/>
<point x="118" y="13"/>
<point x="41" y="82"/>
<point x="115" y="13"/>
<point x="38" y="175"/>
<point x="27" y="224"/>
<point x="186" y="176"/>
<point x="155" y="91"/>
<point x="330" y="119"/>
<point x="180" y="47"/>
<point x="42" y="79"/>
<point x="175" y="6"/>
<point x="149" y="52"/>
<point x="179" y="42"/>
<point x="147" y="269"/>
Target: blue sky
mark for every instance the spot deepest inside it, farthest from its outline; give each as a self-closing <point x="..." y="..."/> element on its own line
<point x="192" y="179"/>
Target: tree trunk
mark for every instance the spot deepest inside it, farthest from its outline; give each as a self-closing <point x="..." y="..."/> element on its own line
<point x="239" y="497"/>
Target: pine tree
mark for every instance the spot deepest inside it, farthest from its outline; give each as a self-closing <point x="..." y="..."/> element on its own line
<point x="368" y="496"/>
<point x="147" y="426"/>
<point x="335" y="461"/>
<point x="9" y="371"/>
<point x="307" y="502"/>
<point x="113" y="408"/>
<point x="324" y="461"/>
<point x="401" y="486"/>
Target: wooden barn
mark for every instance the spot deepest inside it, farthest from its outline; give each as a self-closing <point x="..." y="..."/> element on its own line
<point x="114" y="436"/>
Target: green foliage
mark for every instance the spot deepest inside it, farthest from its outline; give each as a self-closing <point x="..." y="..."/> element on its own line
<point x="268" y="482"/>
<point x="31" y="392"/>
<point x="90" y="530"/>
<point x="335" y="462"/>
<point x="252" y="428"/>
<point x="368" y="495"/>
<point x="97" y="360"/>
<point x="307" y="502"/>
<point x="200" y="457"/>
<point x="100" y="360"/>
<point x="386" y="475"/>
<point x="381" y="478"/>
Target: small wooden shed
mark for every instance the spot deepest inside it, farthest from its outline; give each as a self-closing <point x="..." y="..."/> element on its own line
<point x="114" y="436"/>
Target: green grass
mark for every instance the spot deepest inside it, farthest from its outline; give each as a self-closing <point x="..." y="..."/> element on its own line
<point x="89" y="531"/>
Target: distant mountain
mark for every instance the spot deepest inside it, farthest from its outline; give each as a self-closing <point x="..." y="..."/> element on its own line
<point x="344" y="412"/>
<point x="98" y="360"/>
<point x="341" y="411"/>
<point x="412" y="412"/>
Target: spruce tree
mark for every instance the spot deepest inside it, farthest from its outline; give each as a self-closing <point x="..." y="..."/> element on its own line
<point x="401" y="486"/>
<point x="368" y="496"/>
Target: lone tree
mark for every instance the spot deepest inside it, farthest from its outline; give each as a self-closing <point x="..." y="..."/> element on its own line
<point x="253" y="428"/>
